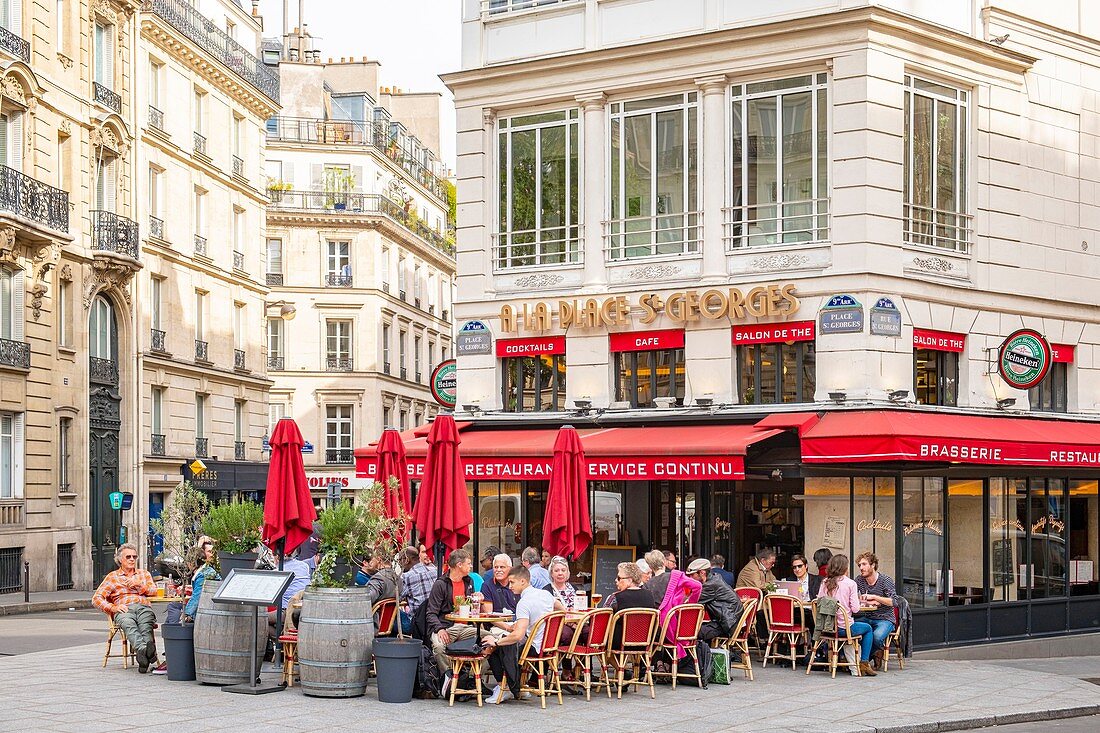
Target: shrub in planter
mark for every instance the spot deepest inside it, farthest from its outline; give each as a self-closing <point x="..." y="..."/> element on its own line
<point x="236" y="527"/>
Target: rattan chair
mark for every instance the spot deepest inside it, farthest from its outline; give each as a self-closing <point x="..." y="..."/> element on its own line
<point x="543" y="663"/>
<point x="786" y="619"/>
<point x="597" y="626"/>
<point x="835" y="643"/>
<point x="680" y="629"/>
<point x="129" y="654"/>
<point x="738" y="641"/>
<point x="638" y="627"/>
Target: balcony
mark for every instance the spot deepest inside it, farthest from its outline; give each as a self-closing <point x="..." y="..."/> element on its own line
<point x="238" y="167"/>
<point x="404" y="373"/>
<point x="200" y="30"/>
<point x="401" y="294"/>
<point x="276" y="363"/>
<point x="107" y="97"/>
<point x="114" y="233"/>
<point x="416" y="302"/>
<point x="157" y="340"/>
<point x="200" y="145"/>
<point x="333" y="280"/>
<point x="385" y="287"/>
<point x="419" y="377"/>
<point x="239" y="451"/>
<point x="346" y="203"/>
<point x="338" y="364"/>
<point x="238" y="261"/>
<point x="386" y="367"/>
<point x="157" y="444"/>
<point x="200" y="245"/>
<point x="445" y="315"/>
<point x="339" y="456"/>
<point x="238" y="360"/>
<point x="156" y="228"/>
<point x="202" y="447"/>
<point x="15" y="353"/>
<point x="156" y="118"/>
<point x="103" y="371"/>
<point x="274" y="279"/>
<point x="30" y="198"/>
<point x="431" y="310"/>
<point x="15" y="45"/>
<point x="202" y="351"/>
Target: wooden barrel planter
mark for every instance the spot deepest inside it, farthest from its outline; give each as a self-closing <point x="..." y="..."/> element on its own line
<point x="223" y="639"/>
<point x="335" y="640"/>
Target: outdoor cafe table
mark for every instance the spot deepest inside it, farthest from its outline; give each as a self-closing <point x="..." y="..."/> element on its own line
<point x="479" y="619"/>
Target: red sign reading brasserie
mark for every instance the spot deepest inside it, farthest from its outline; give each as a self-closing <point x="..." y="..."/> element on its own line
<point x="660" y="468"/>
<point x="926" y="338"/>
<point x="773" y="333"/>
<point x="548" y="345"/>
<point x="1061" y="353"/>
<point x="671" y="338"/>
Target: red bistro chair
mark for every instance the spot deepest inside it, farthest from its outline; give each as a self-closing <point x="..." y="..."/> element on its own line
<point x="747" y="593"/>
<point x="638" y="626"/>
<point x="681" y="629"/>
<point x="385" y="613"/>
<point x="544" y="662"/>
<point x="835" y="643"/>
<point x="597" y="625"/>
<point x="786" y="619"/>
<point x="893" y="641"/>
<point x="739" y="639"/>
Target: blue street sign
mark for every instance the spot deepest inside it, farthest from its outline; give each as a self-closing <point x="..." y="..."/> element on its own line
<point x="307" y="447"/>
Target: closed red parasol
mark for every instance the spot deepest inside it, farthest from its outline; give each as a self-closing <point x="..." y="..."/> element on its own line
<point x="442" y="512"/>
<point x="390" y="453"/>
<point x="567" y="525"/>
<point x="288" y="506"/>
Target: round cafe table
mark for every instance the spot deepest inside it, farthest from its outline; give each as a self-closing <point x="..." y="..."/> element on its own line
<point x="479" y="618"/>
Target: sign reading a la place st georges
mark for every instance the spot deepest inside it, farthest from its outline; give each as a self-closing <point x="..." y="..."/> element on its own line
<point x="1024" y="358"/>
<point x="444" y="383"/>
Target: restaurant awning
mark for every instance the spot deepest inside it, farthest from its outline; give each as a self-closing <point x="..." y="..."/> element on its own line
<point x="895" y="435"/>
<point x="664" y="453"/>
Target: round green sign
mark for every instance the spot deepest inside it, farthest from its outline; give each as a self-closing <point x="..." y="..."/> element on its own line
<point x="1024" y="359"/>
<point x="444" y="383"/>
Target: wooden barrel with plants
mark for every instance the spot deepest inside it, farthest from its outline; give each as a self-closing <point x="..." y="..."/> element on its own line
<point x="223" y="639"/>
<point x="335" y="640"/>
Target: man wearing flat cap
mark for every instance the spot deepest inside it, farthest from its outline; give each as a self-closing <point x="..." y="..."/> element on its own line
<point x="721" y="602"/>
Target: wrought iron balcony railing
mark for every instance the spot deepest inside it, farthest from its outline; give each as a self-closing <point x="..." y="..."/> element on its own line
<point x="238" y="261"/>
<point x="157" y="340"/>
<point x="182" y="16"/>
<point x="15" y="45"/>
<point x="202" y="350"/>
<point x="385" y="287"/>
<point x="200" y="245"/>
<point x="401" y="294"/>
<point x="200" y="143"/>
<point x="238" y="359"/>
<point x="202" y="447"/>
<point x="156" y="118"/>
<point x="333" y="280"/>
<point x="103" y="371"/>
<point x="274" y="279"/>
<point x="404" y="373"/>
<point x="156" y="227"/>
<point x="338" y="364"/>
<point x="238" y="167"/>
<point x="114" y="233"/>
<point x="239" y="451"/>
<point x="28" y="197"/>
<point x="339" y="456"/>
<point x="419" y="377"/>
<point x="107" y="97"/>
<point x="445" y="315"/>
<point x="386" y="367"/>
<point x="15" y="353"/>
<point x="276" y="363"/>
<point x="431" y="310"/>
<point x="157" y="444"/>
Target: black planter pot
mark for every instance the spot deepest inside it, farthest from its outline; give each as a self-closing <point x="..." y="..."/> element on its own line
<point x="395" y="661"/>
<point x="179" y="646"/>
<point x="242" y="561"/>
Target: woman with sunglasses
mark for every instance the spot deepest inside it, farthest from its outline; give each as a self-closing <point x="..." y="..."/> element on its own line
<point x="809" y="583"/>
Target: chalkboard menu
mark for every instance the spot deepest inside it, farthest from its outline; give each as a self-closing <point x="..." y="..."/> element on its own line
<point x="605" y="566"/>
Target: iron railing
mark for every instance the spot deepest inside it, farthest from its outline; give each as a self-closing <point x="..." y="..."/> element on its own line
<point x="549" y="246"/>
<point x="157" y="340"/>
<point x="333" y="280"/>
<point x="385" y="287"/>
<point x="238" y="167"/>
<point x="431" y="310"/>
<point x="156" y="118"/>
<point x="276" y="363"/>
<point x="363" y="134"/>
<point x="202" y="447"/>
<point x="339" y="456"/>
<point x="202" y="350"/>
<point x="27" y="197"/>
<point x="239" y="451"/>
<point x="238" y="260"/>
<point x="65" y="566"/>
<point x="497" y="7"/>
<point x="790" y="222"/>
<point x="103" y="371"/>
<point x="200" y="143"/>
<point x="15" y="45"/>
<point x="107" y="97"/>
<point x="951" y="230"/>
<point x="200" y="245"/>
<point x="445" y="315"/>
<point x="364" y="203"/>
<point x="15" y="353"/>
<point x="401" y="294"/>
<point x="386" y="367"/>
<point x="157" y="444"/>
<point x="404" y="373"/>
<point x="636" y="237"/>
<point x="156" y="227"/>
<point x="338" y="364"/>
<point x="11" y="569"/>
<point x="238" y="359"/>
<point x="419" y="377"/>
<point x="182" y="16"/>
<point x="114" y="233"/>
<point x="274" y="279"/>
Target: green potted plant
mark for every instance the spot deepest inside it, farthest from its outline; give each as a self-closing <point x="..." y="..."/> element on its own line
<point x="276" y="189"/>
<point x="338" y="183"/>
<point x="236" y="528"/>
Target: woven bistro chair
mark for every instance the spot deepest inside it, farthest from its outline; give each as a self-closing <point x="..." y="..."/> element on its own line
<point x="835" y="643"/>
<point x="747" y="593"/>
<point x="543" y="663"/>
<point x="385" y="613"/>
<point x="786" y="619"/>
<point x="597" y="626"/>
<point x="893" y="641"/>
<point x="638" y="628"/>
<point x="128" y="654"/>
<point x="289" y="642"/>
<point x="738" y="641"/>
<point x="681" y="628"/>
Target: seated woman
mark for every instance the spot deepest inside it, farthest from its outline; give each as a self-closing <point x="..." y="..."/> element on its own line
<point x="629" y="593"/>
<point x="202" y="559"/>
<point x="843" y="590"/>
<point x="560" y="587"/>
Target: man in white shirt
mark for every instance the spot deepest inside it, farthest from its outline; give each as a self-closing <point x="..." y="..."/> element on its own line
<point x="504" y="660"/>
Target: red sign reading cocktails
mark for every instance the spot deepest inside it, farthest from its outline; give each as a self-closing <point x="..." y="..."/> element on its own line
<point x="549" y="345"/>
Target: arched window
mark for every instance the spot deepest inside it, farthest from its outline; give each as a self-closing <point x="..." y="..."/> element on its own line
<point x="102" y="331"/>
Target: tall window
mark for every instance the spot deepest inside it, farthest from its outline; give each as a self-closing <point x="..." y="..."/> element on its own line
<point x="416" y="284"/>
<point x="385" y="268"/>
<point x="105" y="183"/>
<point x="402" y="337"/>
<point x="936" y="376"/>
<point x="101" y="330"/>
<point x="64" y="313"/>
<point x="200" y="213"/>
<point x="200" y="416"/>
<point x="10" y="284"/>
<point x="156" y="287"/>
<point x="105" y="55"/>
<point x="60" y="20"/>
<point x="64" y="454"/>
<point x="935" y="193"/>
<point x="644" y="376"/>
<point x="238" y="231"/>
<point x="239" y="325"/>
<point x="156" y="72"/>
<point x="776" y="373"/>
<point x="11" y="140"/>
<point x="238" y="135"/>
<point x="276" y="411"/>
<point x="780" y="161"/>
<point x="416" y="357"/>
<point x="238" y="420"/>
<point x="200" y="315"/>
<point x="275" y="338"/>
<point x="401" y="275"/>
<point x="338" y="344"/>
<point x="156" y="410"/>
<point x="539" y="189"/>
<point x="923" y="576"/>
<point x="1050" y="394"/>
<point x="534" y="383"/>
<point x="338" y="447"/>
<point x="200" y="112"/>
<point x="338" y="263"/>
<point x="274" y="256"/>
<point x="386" y="348"/>
<point x="11" y="455"/>
<point x="654" y="179"/>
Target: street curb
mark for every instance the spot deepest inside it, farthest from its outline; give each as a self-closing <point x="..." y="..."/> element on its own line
<point x="20" y="609"/>
<point x="986" y="721"/>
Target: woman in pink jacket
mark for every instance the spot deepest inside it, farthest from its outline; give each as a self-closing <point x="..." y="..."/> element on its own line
<point x="843" y="589"/>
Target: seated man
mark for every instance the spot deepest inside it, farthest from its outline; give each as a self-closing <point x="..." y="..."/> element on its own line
<point x="875" y="589"/>
<point x="721" y="603"/>
<point x="504" y="660"/>
<point x="378" y="576"/>
<point x="757" y="572"/>
<point x="496" y="590"/>
<point x="440" y="603"/>
<point x="417" y="581"/>
<point x="123" y="595"/>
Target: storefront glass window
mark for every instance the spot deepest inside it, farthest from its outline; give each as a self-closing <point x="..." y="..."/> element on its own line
<point x="936" y="376"/>
<point x="966" y="568"/>
<point x="1050" y="394"/>
<point x="1007" y="538"/>
<point x="874" y="513"/>
<point x="643" y="376"/>
<point x="1048" y="567"/>
<point x="923" y="541"/>
<point x="776" y="373"/>
<point x="1083" y="538"/>
<point x="534" y="383"/>
<point x="499" y="516"/>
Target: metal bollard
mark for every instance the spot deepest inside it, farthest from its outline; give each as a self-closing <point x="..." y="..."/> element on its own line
<point x="26" y="581"/>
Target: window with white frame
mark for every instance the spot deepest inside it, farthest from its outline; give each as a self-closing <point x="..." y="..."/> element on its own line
<point x="498" y="7"/>
<point x="274" y="256"/>
<point x="238" y="420"/>
<point x="200" y="315"/>
<point x="156" y="293"/>
<point x="64" y="313"/>
<point x="156" y="74"/>
<point x="199" y="212"/>
<point x="654" y="177"/>
<point x="338" y="344"/>
<point x="64" y="455"/>
<point x="200" y="416"/>
<point x="200" y="112"/>
<point x="104" y="55"/>
<point x="101" y="330"/>
<point x="274" y="341"/>
<point x="11" y="455"/>
<point x="416" y="357"/>
<point x="780" y="161"/>
<point x="935" y="191"/>
<point x="385" y="268"/>
<point x="238" y="230"/>
<point x="60" y="21"/>
<point x="338" y="263"/>
<point x="386" y="348"/>
<point x="402" y="338"/>
<point x="11" y="304"/>
<point x="338" y="446"/>
<point x="106" y="183"/>
<point x="416" y="283"/>
<point x="276" y="411"/>
<point x="156" y="410"/>
<point x="239" y="324"/>
<point x="538" y="190"/>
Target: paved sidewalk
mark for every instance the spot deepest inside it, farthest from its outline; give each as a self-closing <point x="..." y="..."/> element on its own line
<point x="12" y="603"/>
<point x="67" y="691"/>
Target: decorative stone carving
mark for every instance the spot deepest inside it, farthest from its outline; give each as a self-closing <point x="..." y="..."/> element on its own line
<point x="934" y="264"/>
<point x="38" y="292"/>
<point x="538" y="280"/>
<point x="45" y="259"/>
<point x="65" y="60"/>
<point x="66" y="127"/>
<point x="13" y="90"/>
<point x="109" y="273"/>
<point x="780" y="262"/>
<point x="105" y="137"/>
<point x="653" y="272"/>
<point x="8" y="253"/>
<point x="66" y="273"/>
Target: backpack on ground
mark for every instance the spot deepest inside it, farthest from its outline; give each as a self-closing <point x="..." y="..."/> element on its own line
<point x="706" y="661"/>
<point x="429" y="680"/>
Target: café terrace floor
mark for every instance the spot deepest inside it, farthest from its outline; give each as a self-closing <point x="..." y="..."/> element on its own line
<point x="66" y="690"/>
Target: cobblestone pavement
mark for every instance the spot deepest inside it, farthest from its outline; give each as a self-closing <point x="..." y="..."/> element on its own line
<point x="66" y="690"/>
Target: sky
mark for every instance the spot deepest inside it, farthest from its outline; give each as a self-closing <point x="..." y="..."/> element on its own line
<point x="415" y="40"/>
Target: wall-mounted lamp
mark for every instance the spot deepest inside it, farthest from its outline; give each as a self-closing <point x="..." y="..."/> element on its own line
<point x="1005" y="402"/>
<point x="838" y="396"/>
<point x="287" y="311"/>
<point x="898" y="395"/>
<point x="777" y="475"/>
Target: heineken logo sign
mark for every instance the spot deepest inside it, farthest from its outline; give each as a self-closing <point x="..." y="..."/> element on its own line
<point x="444" y="384"/>
<point x="1024" y="359"/>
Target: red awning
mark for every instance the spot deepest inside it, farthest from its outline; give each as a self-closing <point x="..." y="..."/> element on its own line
<point x="667" y="453"/>
<point x="889" y="435"/>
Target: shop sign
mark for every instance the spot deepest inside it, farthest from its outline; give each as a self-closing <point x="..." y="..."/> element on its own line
<point x="885" y="318"/>
<point x="926" y="338"/>
<point x="647" y="340"/>
<point x="444" y="384"/>
<point x="1061" y="353"/>
<point x="323" y="480"/>
<point x="548" y="345"/>
<point x="842" y="314"/>
<point x="663" y="468"/>
<point x="1024" y="358"/>
<point x="774" y="333"/>
<point x="685" y="306"/>
<point x="474" y="338"/>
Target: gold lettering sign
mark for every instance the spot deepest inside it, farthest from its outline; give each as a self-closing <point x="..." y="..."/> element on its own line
<point x="684" y="306"/>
